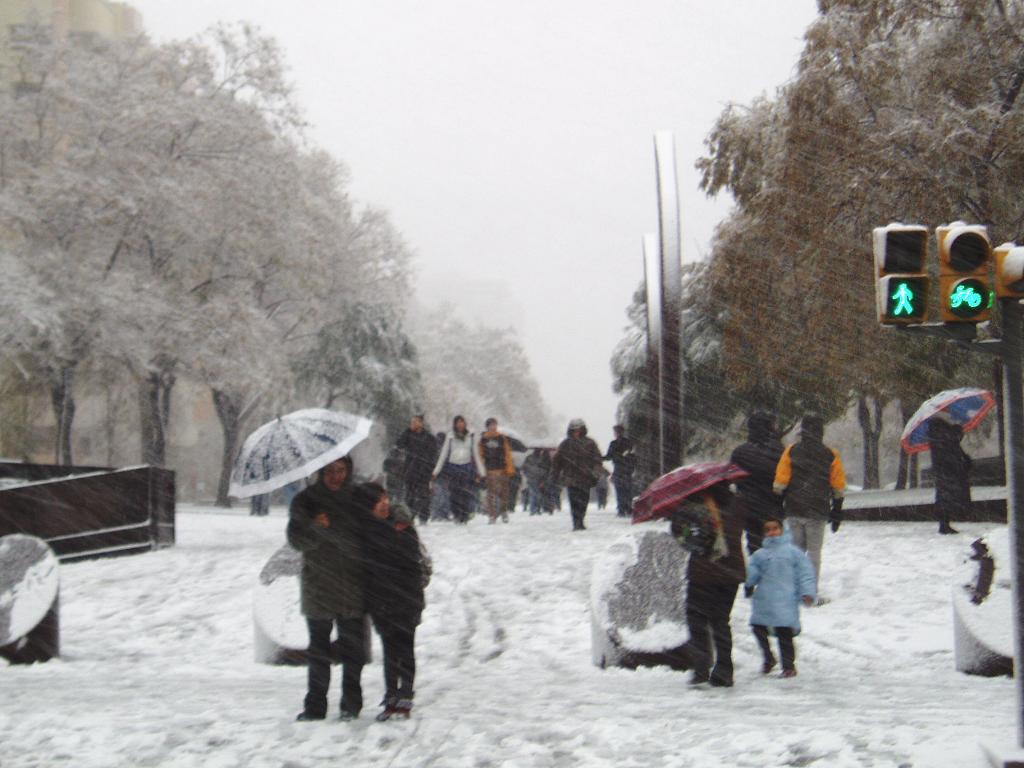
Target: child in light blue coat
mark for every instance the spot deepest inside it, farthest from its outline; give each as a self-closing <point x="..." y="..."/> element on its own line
<point x="779" y="575"/>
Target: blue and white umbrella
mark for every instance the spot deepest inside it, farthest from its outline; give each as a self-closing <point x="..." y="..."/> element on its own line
<point x="966" y="406"/>
<point x="293" y="447"/>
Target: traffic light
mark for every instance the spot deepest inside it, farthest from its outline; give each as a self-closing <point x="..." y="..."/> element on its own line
<point x="965" y="292"/>
<point x="1009" y="271"/>
<point x="901" y="281"/>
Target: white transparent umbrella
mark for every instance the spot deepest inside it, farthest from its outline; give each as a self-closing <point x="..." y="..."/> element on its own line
<point x="294" y="446"/>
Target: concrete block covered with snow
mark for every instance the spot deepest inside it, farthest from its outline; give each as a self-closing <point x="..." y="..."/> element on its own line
<point x="29" y="606"/>
<point x="638" y="602"/>
<point x="982" y="607"/>
<point x="280" y="633"/>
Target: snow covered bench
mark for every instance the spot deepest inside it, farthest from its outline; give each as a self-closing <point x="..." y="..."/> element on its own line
<point x="638" y="603"/>
<point x="280" y="635"/>
<point x="29" y="604"/>
<point x="982" y="608"/>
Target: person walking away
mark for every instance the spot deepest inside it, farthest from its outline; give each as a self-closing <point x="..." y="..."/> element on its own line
<point x="496" y="454"/>
<point x="534" y="471"/>
<point x="621" y="453"/>
<point x="552" y="488"/>
<point x="601" y="489"/>
<point x="420" y="449"/>
<point x="951" y="467"/>
<point x="398" y="572"/>
<point x="394" y="473"/>
<point x="577" y="466"/>
<point x="328" y="531"/>
<point x="779" y="576"/>
<point x="712" y="581"/>
<point x="459" y="465"/>
<point x="811" y="478"/>
<point x="760" y="457"/>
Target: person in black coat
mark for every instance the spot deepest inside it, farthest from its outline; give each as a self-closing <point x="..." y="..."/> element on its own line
<point x="623" y="458"/>
<point x="420" y="449"/>
<point x="950" y="466"/>
<point x="398" y="571"/>
<point x="756" y="501"/>
<point x="712" y="581"/>
<point x="325" y="528"/>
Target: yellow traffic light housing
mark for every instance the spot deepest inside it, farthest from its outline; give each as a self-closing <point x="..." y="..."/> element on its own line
<point x="965" y="291"/>
<point x="901" y="280"/>
<point x="1009" y="259"/>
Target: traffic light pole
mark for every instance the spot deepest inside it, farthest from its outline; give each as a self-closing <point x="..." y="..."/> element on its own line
<point x="1013" y="419"/>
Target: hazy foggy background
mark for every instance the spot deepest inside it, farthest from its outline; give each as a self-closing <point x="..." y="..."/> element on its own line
<point x="512" y="143"/>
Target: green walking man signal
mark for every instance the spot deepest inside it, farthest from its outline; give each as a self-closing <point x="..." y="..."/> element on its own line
<point x="904" y="298"/>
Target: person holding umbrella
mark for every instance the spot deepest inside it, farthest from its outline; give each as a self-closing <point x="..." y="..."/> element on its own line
<point x="329" y="532"/>
<point x="712" y="580"/>
<point x="950" y="466"/>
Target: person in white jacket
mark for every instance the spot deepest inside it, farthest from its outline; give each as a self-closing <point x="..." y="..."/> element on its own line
<point x="459" y="466"/>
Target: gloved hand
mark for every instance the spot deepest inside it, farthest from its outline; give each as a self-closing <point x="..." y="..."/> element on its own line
<point x="836" y="515"/>
<point x="748" y="592"/>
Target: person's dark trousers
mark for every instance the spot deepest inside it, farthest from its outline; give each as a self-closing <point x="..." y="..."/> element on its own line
<point x="535" y="496"/>
<point x="351" y="644"/>
<point x="623" y="495"/>
<point x="417" y="497"/>
<point x="786" y="648"/>
<point x="399" y="644"/>
<point x="578" y="500"/>
<point x="707" y="615"/>
<point x="754" y="526"/>
<point x="460" y="490"/>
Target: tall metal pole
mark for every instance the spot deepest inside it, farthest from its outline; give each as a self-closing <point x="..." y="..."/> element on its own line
<point x="1013" y="419"/>
<point x="652" y="284"/>
<point x="670" y="380"/>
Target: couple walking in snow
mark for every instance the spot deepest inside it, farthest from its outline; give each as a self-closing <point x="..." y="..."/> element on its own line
<point x="360" y="557"/>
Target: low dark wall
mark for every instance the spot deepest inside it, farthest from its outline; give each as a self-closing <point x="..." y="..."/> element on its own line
<point x="108" y="512"/>
<point x="35" y="472"/>
<point x="993" y="511"/>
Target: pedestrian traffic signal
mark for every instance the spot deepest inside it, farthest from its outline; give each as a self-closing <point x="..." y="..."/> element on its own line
<point x="965" y="252"/>
<point x="1009" y="271"/>
<point x="901" y="282"/>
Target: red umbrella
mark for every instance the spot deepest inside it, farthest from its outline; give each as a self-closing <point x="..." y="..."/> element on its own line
<point x="663" y="496"/>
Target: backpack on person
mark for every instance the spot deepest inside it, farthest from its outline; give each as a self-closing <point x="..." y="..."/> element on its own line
<point x="697" y="528"/>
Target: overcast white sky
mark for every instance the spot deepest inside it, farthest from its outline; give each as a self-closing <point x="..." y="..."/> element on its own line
<point x="512" y="142"/>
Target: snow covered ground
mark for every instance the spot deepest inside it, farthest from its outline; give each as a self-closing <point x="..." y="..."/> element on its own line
<point x="158" y="670"/>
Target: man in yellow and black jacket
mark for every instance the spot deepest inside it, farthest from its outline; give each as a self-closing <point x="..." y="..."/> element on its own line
<point x="811" y="479"/>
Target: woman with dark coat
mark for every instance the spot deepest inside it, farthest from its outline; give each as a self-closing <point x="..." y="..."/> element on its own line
<point x="711" y="585"/>
<point x="577" y="465"/>
<point x="325" y="528"/>
<point x="398" y="573"/>
<point x="950" y="466"/>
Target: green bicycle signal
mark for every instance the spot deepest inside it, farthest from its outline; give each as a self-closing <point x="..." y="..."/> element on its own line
<point x="969" y="297"/>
